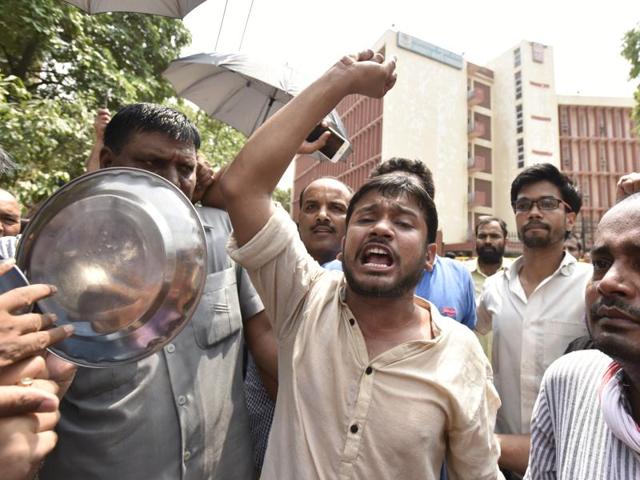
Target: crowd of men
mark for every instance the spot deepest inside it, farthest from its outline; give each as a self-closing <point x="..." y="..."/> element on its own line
<point x="341" y="346"/>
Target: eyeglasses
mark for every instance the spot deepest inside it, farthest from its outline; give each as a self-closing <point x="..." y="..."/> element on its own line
<point x="523" y="205"/>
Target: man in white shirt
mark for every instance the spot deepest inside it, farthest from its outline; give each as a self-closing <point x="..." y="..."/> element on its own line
<point x="534" y="307"/>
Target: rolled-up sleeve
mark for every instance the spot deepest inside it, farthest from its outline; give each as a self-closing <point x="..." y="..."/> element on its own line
<point x="280" y="269"/>
<point x="250" y="303"/>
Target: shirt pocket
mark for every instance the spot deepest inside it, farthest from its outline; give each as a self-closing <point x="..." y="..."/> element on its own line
<point x="557" y="336"/>
<point x="95" y="382"/>
<point x="218" y="314"/>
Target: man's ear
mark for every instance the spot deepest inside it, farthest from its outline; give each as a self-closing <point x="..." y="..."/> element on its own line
<point x="107" y="157"/>
<point x="430" y="256"/>
<point x="570" y="221"/>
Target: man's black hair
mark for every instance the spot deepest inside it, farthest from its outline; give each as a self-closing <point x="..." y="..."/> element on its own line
<point x="545" y="171"/>
<point x="149" y="118"/>
<point x="392" y="185"/>
<point x="321" y="178"/>
<point x="413" y="167"/>
<point x="488" y="219"/>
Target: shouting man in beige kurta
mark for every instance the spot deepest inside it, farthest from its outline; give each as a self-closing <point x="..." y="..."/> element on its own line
<point x="373" y="382"/>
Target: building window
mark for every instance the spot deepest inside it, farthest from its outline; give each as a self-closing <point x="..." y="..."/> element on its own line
<point x="565" y="154"/>
<point x="602" y="125"/>
<point x="482" y="158"/>
<point x="620" y="159"/>
<point x="604" y="192"/>
<point x="482" y="123"/>
<point x="602" y="157"/>
<point x="617" y="123"/>
<point x="519" y="118"/>
<point x="564" y="121"/>
<point x="484" y="91"/>
<point x="482" y="192"/>
<point x="520" y="153"/>
<point x="586" y="192"/>
<point x="582" y="123"/>
<point x="584" y="157"/>
<point x="516" y="58"/>
<point x="518" y="78"/>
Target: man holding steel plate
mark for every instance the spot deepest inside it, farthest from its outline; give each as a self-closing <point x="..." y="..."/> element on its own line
<point x="179" y="413"/>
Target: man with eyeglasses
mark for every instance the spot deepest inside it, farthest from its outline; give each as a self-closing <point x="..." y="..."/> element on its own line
<point x="535" y="307"/>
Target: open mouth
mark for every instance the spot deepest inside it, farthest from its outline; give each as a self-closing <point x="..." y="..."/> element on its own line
<point x="376" y="257"/>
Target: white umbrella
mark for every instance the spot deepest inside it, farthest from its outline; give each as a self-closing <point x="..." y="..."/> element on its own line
<point x="232" y="88"/>
<point x="167" y="8"/>
<point x="236" y="89"/>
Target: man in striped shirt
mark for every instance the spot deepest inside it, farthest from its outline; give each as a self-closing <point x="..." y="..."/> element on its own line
<point x="585" y="422"/>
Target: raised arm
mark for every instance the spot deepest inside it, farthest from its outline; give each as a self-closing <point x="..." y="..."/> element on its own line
<point x="251" y="178"/>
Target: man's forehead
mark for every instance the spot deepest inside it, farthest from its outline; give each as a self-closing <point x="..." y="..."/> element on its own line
<point x="158" y="141"/>
<point x="623" y="218"/>
<point x="489" y="227"/>
<point x="542" y="188"/>
<point x="375" y="200"/>
<point x="326" y="186"/>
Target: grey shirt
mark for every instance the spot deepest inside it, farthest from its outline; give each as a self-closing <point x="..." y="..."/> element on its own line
<point x="178" y="414"/>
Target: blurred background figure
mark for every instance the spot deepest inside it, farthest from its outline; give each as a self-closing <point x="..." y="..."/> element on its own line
<point x="9" y="214"/>
<point x="573" y="245"/>
<point x="491" y="240"/>
<point x="99" y="124"/>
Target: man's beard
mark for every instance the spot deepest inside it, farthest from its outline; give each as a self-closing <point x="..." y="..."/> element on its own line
<point x="537" y="241"/>
<point x="490" y="255"/>
<point x="405" y="284"/>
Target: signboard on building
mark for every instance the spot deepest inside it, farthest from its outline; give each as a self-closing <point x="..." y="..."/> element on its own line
<point x="537" y="52"/>
<point x="429" y="50"/>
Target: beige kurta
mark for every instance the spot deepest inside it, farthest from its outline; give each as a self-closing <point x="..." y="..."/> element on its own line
<point x="342" y="415"/>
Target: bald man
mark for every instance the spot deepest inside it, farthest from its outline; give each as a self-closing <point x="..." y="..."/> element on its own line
<point x="9" y="215"/>
<point x="321" y="221"/>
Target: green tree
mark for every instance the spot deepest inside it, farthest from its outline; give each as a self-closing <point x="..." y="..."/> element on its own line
<point x="60" y="52"/>
<point x="631" y="51"/>
<point x="284" y="197"/>
<point x="58" y="65"/>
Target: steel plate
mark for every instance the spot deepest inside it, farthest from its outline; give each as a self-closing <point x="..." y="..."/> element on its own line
<point x="126" y="250"/>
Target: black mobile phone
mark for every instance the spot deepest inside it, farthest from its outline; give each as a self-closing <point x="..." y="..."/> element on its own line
<point x="336" y="148"/>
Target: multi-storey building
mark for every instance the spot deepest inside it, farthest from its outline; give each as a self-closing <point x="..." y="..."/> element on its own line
<point x="477" y="127"/>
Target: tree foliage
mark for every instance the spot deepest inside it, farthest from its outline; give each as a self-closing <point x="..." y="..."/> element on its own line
<point x="58" y="65"/>
<point x="631" y="51"/>
<point x="284" y="197"/>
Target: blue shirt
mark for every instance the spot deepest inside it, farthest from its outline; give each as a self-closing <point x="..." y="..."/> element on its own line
<point x="448" y="286"/>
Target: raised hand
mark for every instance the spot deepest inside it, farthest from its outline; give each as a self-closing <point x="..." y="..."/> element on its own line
<point x="369" y="73"/>
<point x="628" y="185"/>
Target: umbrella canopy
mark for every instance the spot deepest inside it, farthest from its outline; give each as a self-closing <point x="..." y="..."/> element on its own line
<point x="233" y="88"/>
<point x="167" y="8"/>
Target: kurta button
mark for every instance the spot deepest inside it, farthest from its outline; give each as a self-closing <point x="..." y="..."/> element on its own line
<point x="186" y="456"/>
<point x="182" y="400"/>
<point x="354" y="428"/>
<point x="352" y="322"/>
<point x="171" y="348"/>
<point x="369" y="371"/>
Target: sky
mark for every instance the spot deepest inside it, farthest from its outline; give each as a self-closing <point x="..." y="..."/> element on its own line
<point x="312" y="35"/>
